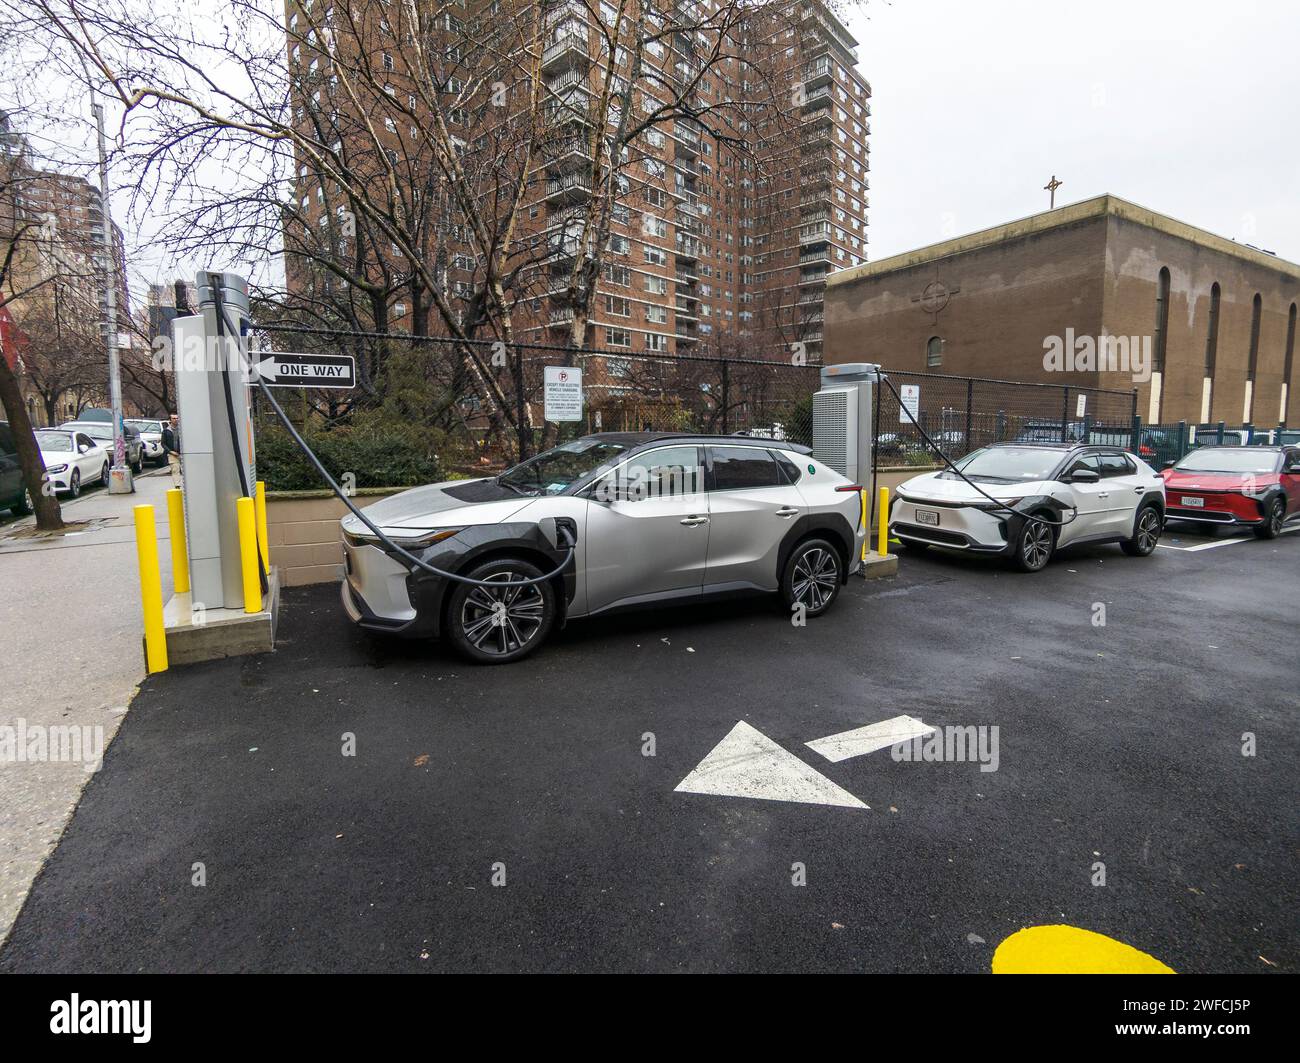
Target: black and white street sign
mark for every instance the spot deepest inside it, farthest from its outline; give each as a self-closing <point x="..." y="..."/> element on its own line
<point x="563" y="393"/>
<point x="285" y="370"/>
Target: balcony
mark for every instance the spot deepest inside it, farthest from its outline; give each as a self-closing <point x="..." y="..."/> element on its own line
<point x="821" y="254"/>
<point x="685" y="310"/>
<point x="567" y="52"/>
<point x="818" y="72"/>
<point x="568" y="80"/>
<point x="566" y="153"/>
<point x="821" y="214"/>
<point x="818" y="98"/>
<point x="570" y="188"/>
<point x="816" y="179"/>
<point x="686" y="275"/>
<point x="688" y="247"/>
<point x="562" y="318"/>
<point x="571" y="107"/>
<point x="812" y="278"/>
<point x="817" y="233"/>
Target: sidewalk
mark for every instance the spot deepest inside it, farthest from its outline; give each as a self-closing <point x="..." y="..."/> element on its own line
<point x="70" y="613"/>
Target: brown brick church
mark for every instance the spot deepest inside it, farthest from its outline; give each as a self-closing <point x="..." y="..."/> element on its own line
<point x="1101" y="293"/>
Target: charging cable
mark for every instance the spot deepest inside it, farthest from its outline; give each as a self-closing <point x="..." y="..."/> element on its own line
<point x="393" y="549"/>
<point x="998" y="504"/>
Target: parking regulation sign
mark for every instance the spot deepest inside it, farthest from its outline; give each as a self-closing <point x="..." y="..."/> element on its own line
<point x="910" y="396"/>
<point x="563" y="393"/>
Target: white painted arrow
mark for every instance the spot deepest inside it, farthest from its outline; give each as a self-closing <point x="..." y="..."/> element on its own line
<point x="746" y="763"/>
<point x="868" y="739"/>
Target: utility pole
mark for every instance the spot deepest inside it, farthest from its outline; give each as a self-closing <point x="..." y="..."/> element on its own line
<point x="120" y="478"/>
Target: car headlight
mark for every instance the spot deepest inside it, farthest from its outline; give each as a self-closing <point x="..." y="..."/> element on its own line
<point x="57" y="468"/>
<point x="1000" y="504"/>
<point x="425" y="538"/>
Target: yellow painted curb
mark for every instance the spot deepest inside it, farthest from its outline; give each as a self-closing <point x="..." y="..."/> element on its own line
<point x="1070" y="950"/>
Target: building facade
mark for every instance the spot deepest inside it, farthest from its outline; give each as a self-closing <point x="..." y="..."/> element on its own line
<point x="716" y="239"/>
<point x="1101" y="293"/>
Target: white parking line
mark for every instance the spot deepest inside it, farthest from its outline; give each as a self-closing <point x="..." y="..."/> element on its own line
<point x="868" y="739"/>
<point x="1220" y="542"/>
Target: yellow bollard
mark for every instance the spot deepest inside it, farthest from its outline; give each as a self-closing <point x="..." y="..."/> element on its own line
<point x="263" y="544"/>
<point x="862" y="497"/>
<point x="180" y="552"/>
<point x="882" y="540"/>
<point x="248" y="554"/>
<point x="151" y="604"/>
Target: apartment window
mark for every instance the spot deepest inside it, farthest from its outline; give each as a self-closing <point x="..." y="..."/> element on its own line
<point x="933" y="352"/>
<point x="618" y="337"/>
<point x="617" y="274"/>
<point x="388" y="61"/>
<point x="656" y="314"/>
<point x="657" y="285"/>
<point x="655" y="255"/>
<point x="616" y="306"/>
<point x="655" y="342"/>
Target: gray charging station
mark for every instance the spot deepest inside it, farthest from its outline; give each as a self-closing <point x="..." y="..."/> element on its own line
<point x="206" y="363"/>
<point x="842" y="412"/>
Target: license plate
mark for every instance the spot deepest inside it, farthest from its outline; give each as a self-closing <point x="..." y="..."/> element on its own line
<point x="925" y="516"/>
<point x="1189" y="500"/>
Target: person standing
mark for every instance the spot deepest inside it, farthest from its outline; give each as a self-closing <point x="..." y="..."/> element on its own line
<point x="171" y="440"/>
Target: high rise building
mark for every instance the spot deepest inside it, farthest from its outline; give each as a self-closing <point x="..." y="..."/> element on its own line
<point x="747" y="187"/>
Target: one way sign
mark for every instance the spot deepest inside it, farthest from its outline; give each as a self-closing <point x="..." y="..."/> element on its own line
<point x="286" y="370"/>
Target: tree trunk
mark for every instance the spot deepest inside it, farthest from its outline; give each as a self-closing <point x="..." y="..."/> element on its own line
<point x="49" y="516"/>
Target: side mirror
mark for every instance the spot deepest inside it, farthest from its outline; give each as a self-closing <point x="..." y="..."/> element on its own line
<point x="82" y="448"/>
<point x="1084" y="476"/>
<point x="1168" y="465"/>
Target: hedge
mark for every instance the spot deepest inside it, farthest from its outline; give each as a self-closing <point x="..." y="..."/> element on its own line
<point x="375" y="456"/>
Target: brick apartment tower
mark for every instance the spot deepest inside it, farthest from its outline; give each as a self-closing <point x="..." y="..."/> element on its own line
<point x="713" y="248"/>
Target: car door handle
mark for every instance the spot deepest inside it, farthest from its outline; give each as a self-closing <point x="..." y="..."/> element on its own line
<point x="1103" y="494"/>
<point x="1138" y="490"/>
<point x="692" y="522"/>
<point x="786" y="511"/>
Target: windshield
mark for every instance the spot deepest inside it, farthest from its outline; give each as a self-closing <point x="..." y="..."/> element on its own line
<point x="1009" y="464"/>
<point x="54" y="441"/>
<point x="98" y="431"/>
<point x="552" y="472"/>
<point x="144" y="426"/>
<point x="1236" y="459"/>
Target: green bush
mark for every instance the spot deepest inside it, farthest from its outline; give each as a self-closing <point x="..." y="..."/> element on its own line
<point x="377" y="455"/>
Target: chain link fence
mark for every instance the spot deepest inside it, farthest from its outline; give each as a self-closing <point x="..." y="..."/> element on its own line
<point x="473" y="406"/>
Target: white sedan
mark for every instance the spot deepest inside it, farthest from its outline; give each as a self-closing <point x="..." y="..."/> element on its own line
<point x="72" y="459"/>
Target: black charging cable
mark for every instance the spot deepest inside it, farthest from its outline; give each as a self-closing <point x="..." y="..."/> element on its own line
<point x="214" y="280"/>
<point x="393" y="549"/>
<point x="998" y="504"/>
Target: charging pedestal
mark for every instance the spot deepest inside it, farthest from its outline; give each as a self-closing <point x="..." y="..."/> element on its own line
<point x="218" y="467"/>
<point x="843" y="412"/>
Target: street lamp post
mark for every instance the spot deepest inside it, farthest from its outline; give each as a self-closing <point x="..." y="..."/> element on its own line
<point x="120" y="479"/>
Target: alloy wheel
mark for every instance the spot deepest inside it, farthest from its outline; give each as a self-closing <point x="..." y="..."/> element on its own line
<point x="1276" y="516"/>
<point x="816" y="574"/>
<point x="1036" y="544"/>
<point x="1148" y="531"/>
<point x="501" y="620"/>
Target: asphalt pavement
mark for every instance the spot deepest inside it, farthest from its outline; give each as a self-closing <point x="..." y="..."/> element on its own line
<point x="350" y="803"/>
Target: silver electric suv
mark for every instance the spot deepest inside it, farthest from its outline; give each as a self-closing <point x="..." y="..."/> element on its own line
<point x="649" y="518"/>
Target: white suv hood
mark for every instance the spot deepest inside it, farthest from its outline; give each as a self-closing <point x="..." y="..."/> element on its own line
<point x="430" y="506"/>
<point x="931" y="486"/>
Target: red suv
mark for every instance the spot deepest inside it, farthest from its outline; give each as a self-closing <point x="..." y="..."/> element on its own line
<point x="1256" y="487"/>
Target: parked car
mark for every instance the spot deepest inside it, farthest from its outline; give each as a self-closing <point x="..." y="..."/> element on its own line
<point x="13" y="493"/>
<point x="1042" y="497"/>
<point x="1050" y="432"/>
<point x="72" y="459"/>
<point x="656" y="518"/>
<point x="102" y="432"/>
<point x="151" y="434"/>
<point x="1253" y="487"/>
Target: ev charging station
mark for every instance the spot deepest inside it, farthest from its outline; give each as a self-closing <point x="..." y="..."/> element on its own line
<point x="216" y="430"/>
<point x="842" y="413"/>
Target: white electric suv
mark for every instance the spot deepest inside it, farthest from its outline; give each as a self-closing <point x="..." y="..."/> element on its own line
<point x="1024" y="500"/>
<point x="649" y="518"/>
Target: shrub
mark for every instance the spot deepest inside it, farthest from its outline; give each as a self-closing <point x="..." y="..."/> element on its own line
<point x="377" y="455"/>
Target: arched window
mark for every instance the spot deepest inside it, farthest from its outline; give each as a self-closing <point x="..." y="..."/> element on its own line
<point x="1211" y="355"/>
<point x="1248" y="409"/>
<point x="1287" y="364"/>
<point x="933" y="352"/>
<point x="1162" y="319"/>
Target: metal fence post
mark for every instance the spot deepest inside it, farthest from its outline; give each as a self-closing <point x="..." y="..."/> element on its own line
<point x="970" y="404"/>
<point x="1065" y="413"/>
<point x="726" y="396"/>
<point x="1219" y="437"/>
<point x="1183" y="443"/>
<point x="1135" y="443"/>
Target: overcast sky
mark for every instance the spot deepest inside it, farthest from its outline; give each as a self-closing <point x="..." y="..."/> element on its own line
<point x="1191" y="109"/>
